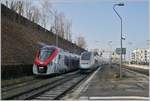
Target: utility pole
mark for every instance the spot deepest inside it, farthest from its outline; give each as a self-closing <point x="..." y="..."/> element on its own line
<point x="120" y="4"/>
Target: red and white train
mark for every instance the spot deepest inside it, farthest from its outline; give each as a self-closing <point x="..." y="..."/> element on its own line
<point x="51" y="60"/>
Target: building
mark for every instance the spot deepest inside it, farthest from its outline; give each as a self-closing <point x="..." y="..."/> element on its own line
<point x="140" y="56"/>
<point x="95" y="50"/>
<point x="115" y="57"/>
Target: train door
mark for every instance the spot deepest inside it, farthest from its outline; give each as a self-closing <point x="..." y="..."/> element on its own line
<point x="66" y="62"/>
<point x="60" y="63"/>
<point x="57" y="64"/>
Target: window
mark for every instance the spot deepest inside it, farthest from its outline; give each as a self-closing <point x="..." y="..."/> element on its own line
<point x="59" y="57"/>
<point x="45" y="53"/>
<point x="66" y="61"/>
<point x="86" y="56"/>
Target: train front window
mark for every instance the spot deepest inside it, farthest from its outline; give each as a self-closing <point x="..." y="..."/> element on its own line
<point x="45" y="53"/>
<point x="86" y="56"/>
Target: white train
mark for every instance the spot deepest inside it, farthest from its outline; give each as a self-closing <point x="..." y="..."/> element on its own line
<point x="51" y="60"/>
<point x="89" y="61"/>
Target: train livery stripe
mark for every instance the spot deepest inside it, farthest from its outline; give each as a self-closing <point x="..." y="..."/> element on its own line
<point x="47" y="61"/>
<point x="51" y="57"/>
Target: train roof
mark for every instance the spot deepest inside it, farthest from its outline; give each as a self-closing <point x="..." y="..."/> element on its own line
<point x="62" y="50"/>
<point x="49" y="46"/>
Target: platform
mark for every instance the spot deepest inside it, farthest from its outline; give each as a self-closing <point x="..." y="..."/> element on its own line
<point x="105" y="84"/>
<point x="138" y="66"/>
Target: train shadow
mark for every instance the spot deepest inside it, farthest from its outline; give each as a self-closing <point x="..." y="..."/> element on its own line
<point x="46" y="76"/>
<point x="53" y="75"/>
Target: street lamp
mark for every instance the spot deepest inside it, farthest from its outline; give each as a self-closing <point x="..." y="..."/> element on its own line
<point x="120" y="4"/>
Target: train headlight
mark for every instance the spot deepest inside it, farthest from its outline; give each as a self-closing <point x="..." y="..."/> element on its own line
<point x="41" y="67"/>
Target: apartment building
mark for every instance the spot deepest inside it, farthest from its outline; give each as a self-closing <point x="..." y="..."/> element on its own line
<point x="140" y="55"/>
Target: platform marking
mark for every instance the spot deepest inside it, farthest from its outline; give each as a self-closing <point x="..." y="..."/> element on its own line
<point x="119" y="97"/>
<point x="85" y="84"/>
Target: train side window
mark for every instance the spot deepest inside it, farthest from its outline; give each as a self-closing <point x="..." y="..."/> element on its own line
<point x="66" y="61"/>
<point x="59" y="57"/>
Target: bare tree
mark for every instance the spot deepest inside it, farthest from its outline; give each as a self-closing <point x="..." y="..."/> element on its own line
<point x="62" y="26"/>
<point x="57" y="21"/>
<point x="35" y="14"/>
<point x="19" y="7"/>
<point x="43" y="20"/>
<point x="60" y="21"/>
<point x="12" y="5"/>
<point x="81" y="42"/>
<point x="31" y="12"/>
<point x="6" y="3"/>
<point x="46" y="13"/>
<point x="28" y="9"/>
<point x="67" y="29"/>
<point x="15" y="5"/>
<point x="55" y="25"/>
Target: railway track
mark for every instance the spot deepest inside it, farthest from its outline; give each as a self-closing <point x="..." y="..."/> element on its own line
<point x="51" y="88"/>
<point x="136" y="73"/>
<point x="21" y="84"/>
<point x="59" y="91"/>
<point x="139" y="70"/>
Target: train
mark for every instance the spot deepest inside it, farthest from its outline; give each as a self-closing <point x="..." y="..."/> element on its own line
<point x="54" y="60"/>
<point x="89" y="61"/>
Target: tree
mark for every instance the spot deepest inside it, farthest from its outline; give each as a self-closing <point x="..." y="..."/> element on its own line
<point x="57" y="25"/>
<point x="35" y="14"/>
<point x="81" y="42"/>
<point x="67" y="29"/>
<point x="15" y="5"/>
<point x="12" y="5"/>
<point x="60" y="24"/>
<point x="6" y="3"/>
<point x="46" y="13"/>
<point x="28" y="9"/>
<point x="19" y="7"/>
